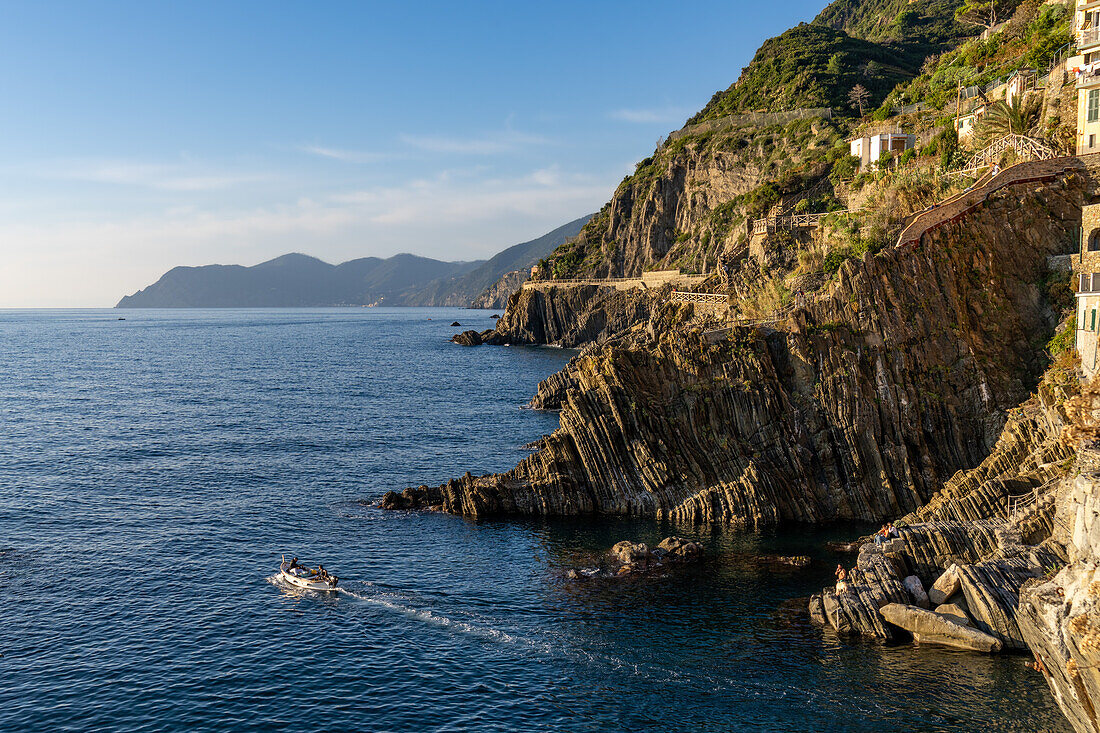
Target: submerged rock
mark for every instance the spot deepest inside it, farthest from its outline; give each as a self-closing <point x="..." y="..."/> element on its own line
<point x="931" y="628"/>
<point x="634" y="558"/>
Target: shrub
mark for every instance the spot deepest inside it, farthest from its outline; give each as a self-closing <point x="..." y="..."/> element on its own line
<point x="1064" y="340"/>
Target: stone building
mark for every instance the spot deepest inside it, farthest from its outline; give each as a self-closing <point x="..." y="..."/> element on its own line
<point x="1086" y="270"/>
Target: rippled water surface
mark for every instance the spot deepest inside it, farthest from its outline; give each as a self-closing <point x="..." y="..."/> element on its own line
<point x="152" y="471"/>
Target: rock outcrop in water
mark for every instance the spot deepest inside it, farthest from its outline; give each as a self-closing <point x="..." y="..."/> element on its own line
<point x="860" y="405"/>
<point x="634" y="558"/>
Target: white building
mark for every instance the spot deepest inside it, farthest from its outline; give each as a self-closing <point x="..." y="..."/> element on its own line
<point x="869" y="149"/>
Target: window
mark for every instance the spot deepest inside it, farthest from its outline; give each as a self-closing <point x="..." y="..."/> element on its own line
<point x="1093" y="106"/>
<point x="1094" y="241"/>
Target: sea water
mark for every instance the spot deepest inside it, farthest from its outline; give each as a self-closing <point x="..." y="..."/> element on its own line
<point x="154" y="469"/>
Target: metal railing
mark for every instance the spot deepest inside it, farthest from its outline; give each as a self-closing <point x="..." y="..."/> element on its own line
<point x="1022" y="145"/>
<point x="685" y="296"/>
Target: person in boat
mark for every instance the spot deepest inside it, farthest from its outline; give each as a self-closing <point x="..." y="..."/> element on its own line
<point x="321" y="572"/>
<point x="293" y="564"/>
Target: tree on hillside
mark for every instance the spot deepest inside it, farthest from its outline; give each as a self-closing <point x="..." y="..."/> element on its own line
<point x="859" y="96"/>
<point x="983" y="13"/>
<point x="1001" y="118"/>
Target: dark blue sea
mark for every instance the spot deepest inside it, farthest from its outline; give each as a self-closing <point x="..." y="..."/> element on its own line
<point x="154" y="469"/>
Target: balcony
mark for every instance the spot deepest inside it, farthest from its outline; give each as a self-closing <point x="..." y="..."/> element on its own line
<point x="1088" y="78"/>
<point x="1088" y="4"/>
<point x="1088" y="37"/>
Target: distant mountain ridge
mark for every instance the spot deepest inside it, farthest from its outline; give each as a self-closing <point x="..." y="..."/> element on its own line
<point x="481" y="285"/>
<point x="293" y="280"/>
<point x="296" y="280"/>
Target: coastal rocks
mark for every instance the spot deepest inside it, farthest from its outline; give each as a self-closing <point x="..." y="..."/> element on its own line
<point x="983" y="565"/>
<point x="473" y="338"/>
<point x="632" y="555"/>
<point x="635" y="558"/>
<point x="931" y="628"/>
<point x="811" y="421"/>
<point x="571" y="316"/>
<point x="945" y="586"/>
<point x="677" y="549"/>
<point x="456" y="324"/>
<point x="916" y="591"/>
<point x="992" y="590"/>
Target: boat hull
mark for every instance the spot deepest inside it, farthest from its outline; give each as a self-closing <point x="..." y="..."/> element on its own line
<point x="305" y="582"/>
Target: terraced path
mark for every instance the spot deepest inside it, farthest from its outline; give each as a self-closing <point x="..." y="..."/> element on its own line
<point x="957" y="206"/>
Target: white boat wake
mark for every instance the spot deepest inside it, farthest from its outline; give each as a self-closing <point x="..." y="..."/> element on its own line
<point x="395" y="603"/>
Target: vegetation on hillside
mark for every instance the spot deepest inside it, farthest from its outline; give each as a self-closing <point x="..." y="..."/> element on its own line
<point x="1030" y="39"/>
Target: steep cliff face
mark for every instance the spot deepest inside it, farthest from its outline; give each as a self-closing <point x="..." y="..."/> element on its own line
<point x="1060" y="615"/>
<point x="497" y="294"/>
<point x="859" y="406"/>
<point x="689" y="201"/>
<point x="573" y="316"/>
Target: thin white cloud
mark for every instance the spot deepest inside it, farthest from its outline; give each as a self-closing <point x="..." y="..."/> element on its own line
<point x="651" y="116"/>
<point x="457" y="214"/>
<point x="348" y="156"/>
<point x="165" y="177"/>
<point x="495" y="144"/>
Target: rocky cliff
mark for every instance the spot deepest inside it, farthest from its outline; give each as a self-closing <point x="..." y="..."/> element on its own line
<point x="859" y="405"/>
<point x="1060" y="613"/>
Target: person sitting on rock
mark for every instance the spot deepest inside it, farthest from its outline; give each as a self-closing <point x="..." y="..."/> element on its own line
<point x="892" y="531"/>
<point x="994" y="170"/>
<point x="881" y="536"/>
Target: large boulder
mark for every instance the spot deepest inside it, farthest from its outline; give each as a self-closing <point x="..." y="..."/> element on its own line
<point x="945" y="586"/>
<point x="931" y="628"/>
<point x="677" y="549"/>
<point x="631" y="554"/>
<point x="916" y="592"/>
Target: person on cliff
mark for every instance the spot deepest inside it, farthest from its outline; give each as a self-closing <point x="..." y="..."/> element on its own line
<point x="841" y="579"/>
<point x="882" y="535"/>
<point x="892" y="532"/>
<point x="994" y="170"/>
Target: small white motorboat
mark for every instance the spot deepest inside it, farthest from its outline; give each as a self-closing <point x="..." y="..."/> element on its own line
<point x="299" y="576"/>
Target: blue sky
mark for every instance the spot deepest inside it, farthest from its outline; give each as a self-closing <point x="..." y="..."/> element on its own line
<point x="139" y="136"/>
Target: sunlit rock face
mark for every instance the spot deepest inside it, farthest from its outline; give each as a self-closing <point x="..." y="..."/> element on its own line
<point x="859" y="406"/>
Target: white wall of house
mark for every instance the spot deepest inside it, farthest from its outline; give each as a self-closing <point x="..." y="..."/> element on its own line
<point x="1088" y="321"/>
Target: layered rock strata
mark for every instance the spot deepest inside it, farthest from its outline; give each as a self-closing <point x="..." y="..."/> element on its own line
<point x="1059" y="615"/>
<point x="859" y="406"/>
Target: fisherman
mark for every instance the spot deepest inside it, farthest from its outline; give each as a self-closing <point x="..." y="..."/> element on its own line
<point x="293" y="564"/>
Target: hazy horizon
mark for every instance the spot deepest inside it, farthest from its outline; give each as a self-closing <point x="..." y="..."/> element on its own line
<point x="144" y="137"/>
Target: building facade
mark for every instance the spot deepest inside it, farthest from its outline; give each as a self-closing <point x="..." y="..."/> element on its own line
<point x="1085" y="67"/>
<point x="1086" y="271"/>
<point x="869" y="149"/>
